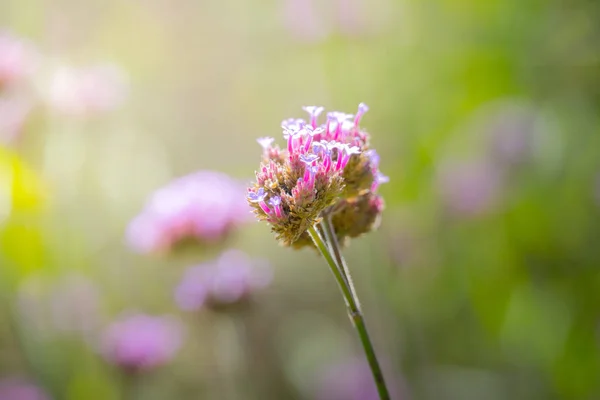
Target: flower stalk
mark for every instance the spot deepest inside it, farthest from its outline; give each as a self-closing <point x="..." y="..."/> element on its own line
<point x="332" y="254"/>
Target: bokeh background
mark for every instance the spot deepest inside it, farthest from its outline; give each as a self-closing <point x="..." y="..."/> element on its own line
<point x="482" y="281"/>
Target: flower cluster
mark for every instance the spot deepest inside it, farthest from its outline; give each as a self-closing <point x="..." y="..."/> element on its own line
<point x="204" y="206"/>
<point x="324" y="168"/>
<point x="222" y="283"/>
<point x="139" y="342"/>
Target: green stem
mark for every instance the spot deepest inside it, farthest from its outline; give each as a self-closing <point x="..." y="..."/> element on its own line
<point x="334" y="244"/>
<point x="353" y="310"/>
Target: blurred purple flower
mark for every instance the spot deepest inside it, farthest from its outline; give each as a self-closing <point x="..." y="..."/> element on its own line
<point x="20" y="389"/>
<point x="352" y="380"/>
<point x="227" y="280"/>
<point x="205" y="206"/>
<point x="13" y="115"/>
<point x="139" y="342"/>
<point x="511" y="133"/>
<point x="18" y="59"/>
<point x="87" y="91"/>
<point x="469" y="188"/>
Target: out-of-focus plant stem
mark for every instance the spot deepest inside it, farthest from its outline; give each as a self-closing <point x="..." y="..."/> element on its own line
<point x="352" y="304"/>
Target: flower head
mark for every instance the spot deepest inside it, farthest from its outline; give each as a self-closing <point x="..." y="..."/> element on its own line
<point x="205" y="206"/>
<point x="323" y="167"/>
<point x="224" y="282"/>
<point x="139" y="342"/>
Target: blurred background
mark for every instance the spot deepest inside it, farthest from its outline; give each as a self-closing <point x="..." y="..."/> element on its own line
<point x="482" y="281"/>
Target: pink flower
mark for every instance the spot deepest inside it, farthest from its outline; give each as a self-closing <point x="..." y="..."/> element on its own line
<point x="322" y="165"/>
<point x="140" y="342"/>
<point x="228" y="280"/>
<point x="87" y="91"/>
<point x="205" y="206"/>
<point x="18" y="59"/>
<point x="301" y="20"/>
<point x="20" y="389"/>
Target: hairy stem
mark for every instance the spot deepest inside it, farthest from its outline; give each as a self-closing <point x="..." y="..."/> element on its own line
<point x="353" y="309"/>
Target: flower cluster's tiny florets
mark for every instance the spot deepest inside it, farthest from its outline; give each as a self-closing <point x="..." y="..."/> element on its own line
<point x="322" y="166"/>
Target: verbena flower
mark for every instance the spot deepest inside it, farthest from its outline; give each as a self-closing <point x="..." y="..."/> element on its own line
<point x="15" y="388"/>
<point x="224" y="282"/>
<point x="18" y="59"/>
<point x="323" y="167"/>
<point x="140" y="342"/>
<point x="204" y="206"/>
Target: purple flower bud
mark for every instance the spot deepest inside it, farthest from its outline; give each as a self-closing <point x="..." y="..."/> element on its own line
<point x="362" y="109"/>
<point x="379" y="179"/>
<point x="138" y="342"/>
<point x="265" y="142"/>
<point x="374" y="157"/>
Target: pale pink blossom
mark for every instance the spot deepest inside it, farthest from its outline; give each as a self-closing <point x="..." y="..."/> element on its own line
<point x="18" y="59"/>
<point x="87" y="91"/>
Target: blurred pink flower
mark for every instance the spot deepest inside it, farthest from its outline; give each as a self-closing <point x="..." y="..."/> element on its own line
<point x="205" y="206"/>
<point x="87" y="91"/>
<point x="228" y="280"/>
<point x="469" y="188"/>
<point x="20" y="389"/>
<point x="353" y="380"/>
<point x="139" y="342"/>
<point x="301" y="20"/>
<point x="18" y="59"/>
<point x="13" y="115"/>
<point x="351" y="16"/>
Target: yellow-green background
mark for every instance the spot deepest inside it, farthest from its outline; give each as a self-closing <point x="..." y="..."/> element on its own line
<point x="501" y="305"/>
